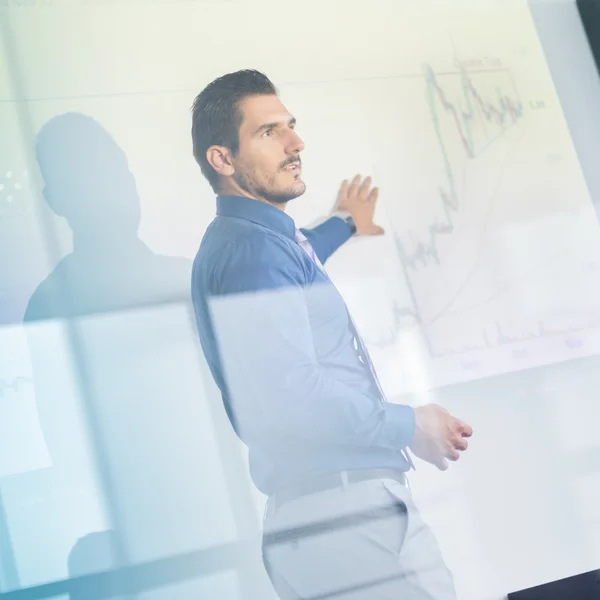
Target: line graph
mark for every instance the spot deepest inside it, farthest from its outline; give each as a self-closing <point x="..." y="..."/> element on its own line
<point x="496" y="241"/>
<point x="476" y="109"/>
<point x="506" y="112"/>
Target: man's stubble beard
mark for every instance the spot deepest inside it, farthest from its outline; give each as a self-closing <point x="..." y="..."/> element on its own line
<point x="255" y="189"/>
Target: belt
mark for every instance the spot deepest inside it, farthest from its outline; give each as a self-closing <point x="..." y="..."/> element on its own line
<point x="322" y="483"/>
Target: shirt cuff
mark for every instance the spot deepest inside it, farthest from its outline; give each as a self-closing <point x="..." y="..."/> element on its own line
<point x="338" y="230"/>
<point x="400" y="425"/>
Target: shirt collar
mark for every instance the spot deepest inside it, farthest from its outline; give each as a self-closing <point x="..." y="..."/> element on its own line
<point x="258" y="212"/>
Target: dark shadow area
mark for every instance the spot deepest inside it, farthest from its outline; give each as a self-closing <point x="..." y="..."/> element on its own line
<point x="579" y="587"/>
<point x="87" y="180"/>
<point x="93" y="553"/>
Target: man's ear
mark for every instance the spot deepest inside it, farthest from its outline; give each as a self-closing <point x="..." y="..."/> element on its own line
<point x="219" y="158"/>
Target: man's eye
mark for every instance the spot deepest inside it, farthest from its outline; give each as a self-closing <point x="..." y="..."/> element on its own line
<point x="268" y="133"/>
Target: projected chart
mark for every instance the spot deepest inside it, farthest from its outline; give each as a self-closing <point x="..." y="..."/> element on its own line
<point x="479" y="122"/>
<point x="500" y="251"/>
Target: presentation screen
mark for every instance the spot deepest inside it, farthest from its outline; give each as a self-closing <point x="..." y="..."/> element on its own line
<point x="490" y="260"/>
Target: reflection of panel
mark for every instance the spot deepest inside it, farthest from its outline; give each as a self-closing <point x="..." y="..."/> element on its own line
<point x="150" y="405"/>
<point x="22" y="447"/>
<point x="144" y="387"/>
<point x="50" y="508"/>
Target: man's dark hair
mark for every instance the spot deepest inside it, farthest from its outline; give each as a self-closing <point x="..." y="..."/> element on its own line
<point x="216" y="115"/>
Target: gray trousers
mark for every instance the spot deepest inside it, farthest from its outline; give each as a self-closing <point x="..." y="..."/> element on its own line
<point x="364" y="542"/>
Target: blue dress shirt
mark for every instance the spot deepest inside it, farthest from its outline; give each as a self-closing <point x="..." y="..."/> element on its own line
<point x="279" y="343"/>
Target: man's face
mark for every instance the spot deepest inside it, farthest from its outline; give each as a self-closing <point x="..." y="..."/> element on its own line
<point x="268" y="165"/>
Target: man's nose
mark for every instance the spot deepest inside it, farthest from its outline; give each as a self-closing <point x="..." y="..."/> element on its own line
<point x="295" y="144"/>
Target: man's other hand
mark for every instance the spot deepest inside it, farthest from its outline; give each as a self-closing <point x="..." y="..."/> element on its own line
<point x="359" y="199"/>
<point x="439" y="436"/>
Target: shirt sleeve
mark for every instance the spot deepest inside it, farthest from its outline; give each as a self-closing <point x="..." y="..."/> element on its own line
<point x="327" y="237"/>
<point x="268" y="358"/>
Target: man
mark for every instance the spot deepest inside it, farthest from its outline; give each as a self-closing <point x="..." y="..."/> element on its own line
<point x="296" y="379"/>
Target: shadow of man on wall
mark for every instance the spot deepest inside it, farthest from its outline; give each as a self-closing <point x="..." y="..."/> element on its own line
<point x="87" y="181"/>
